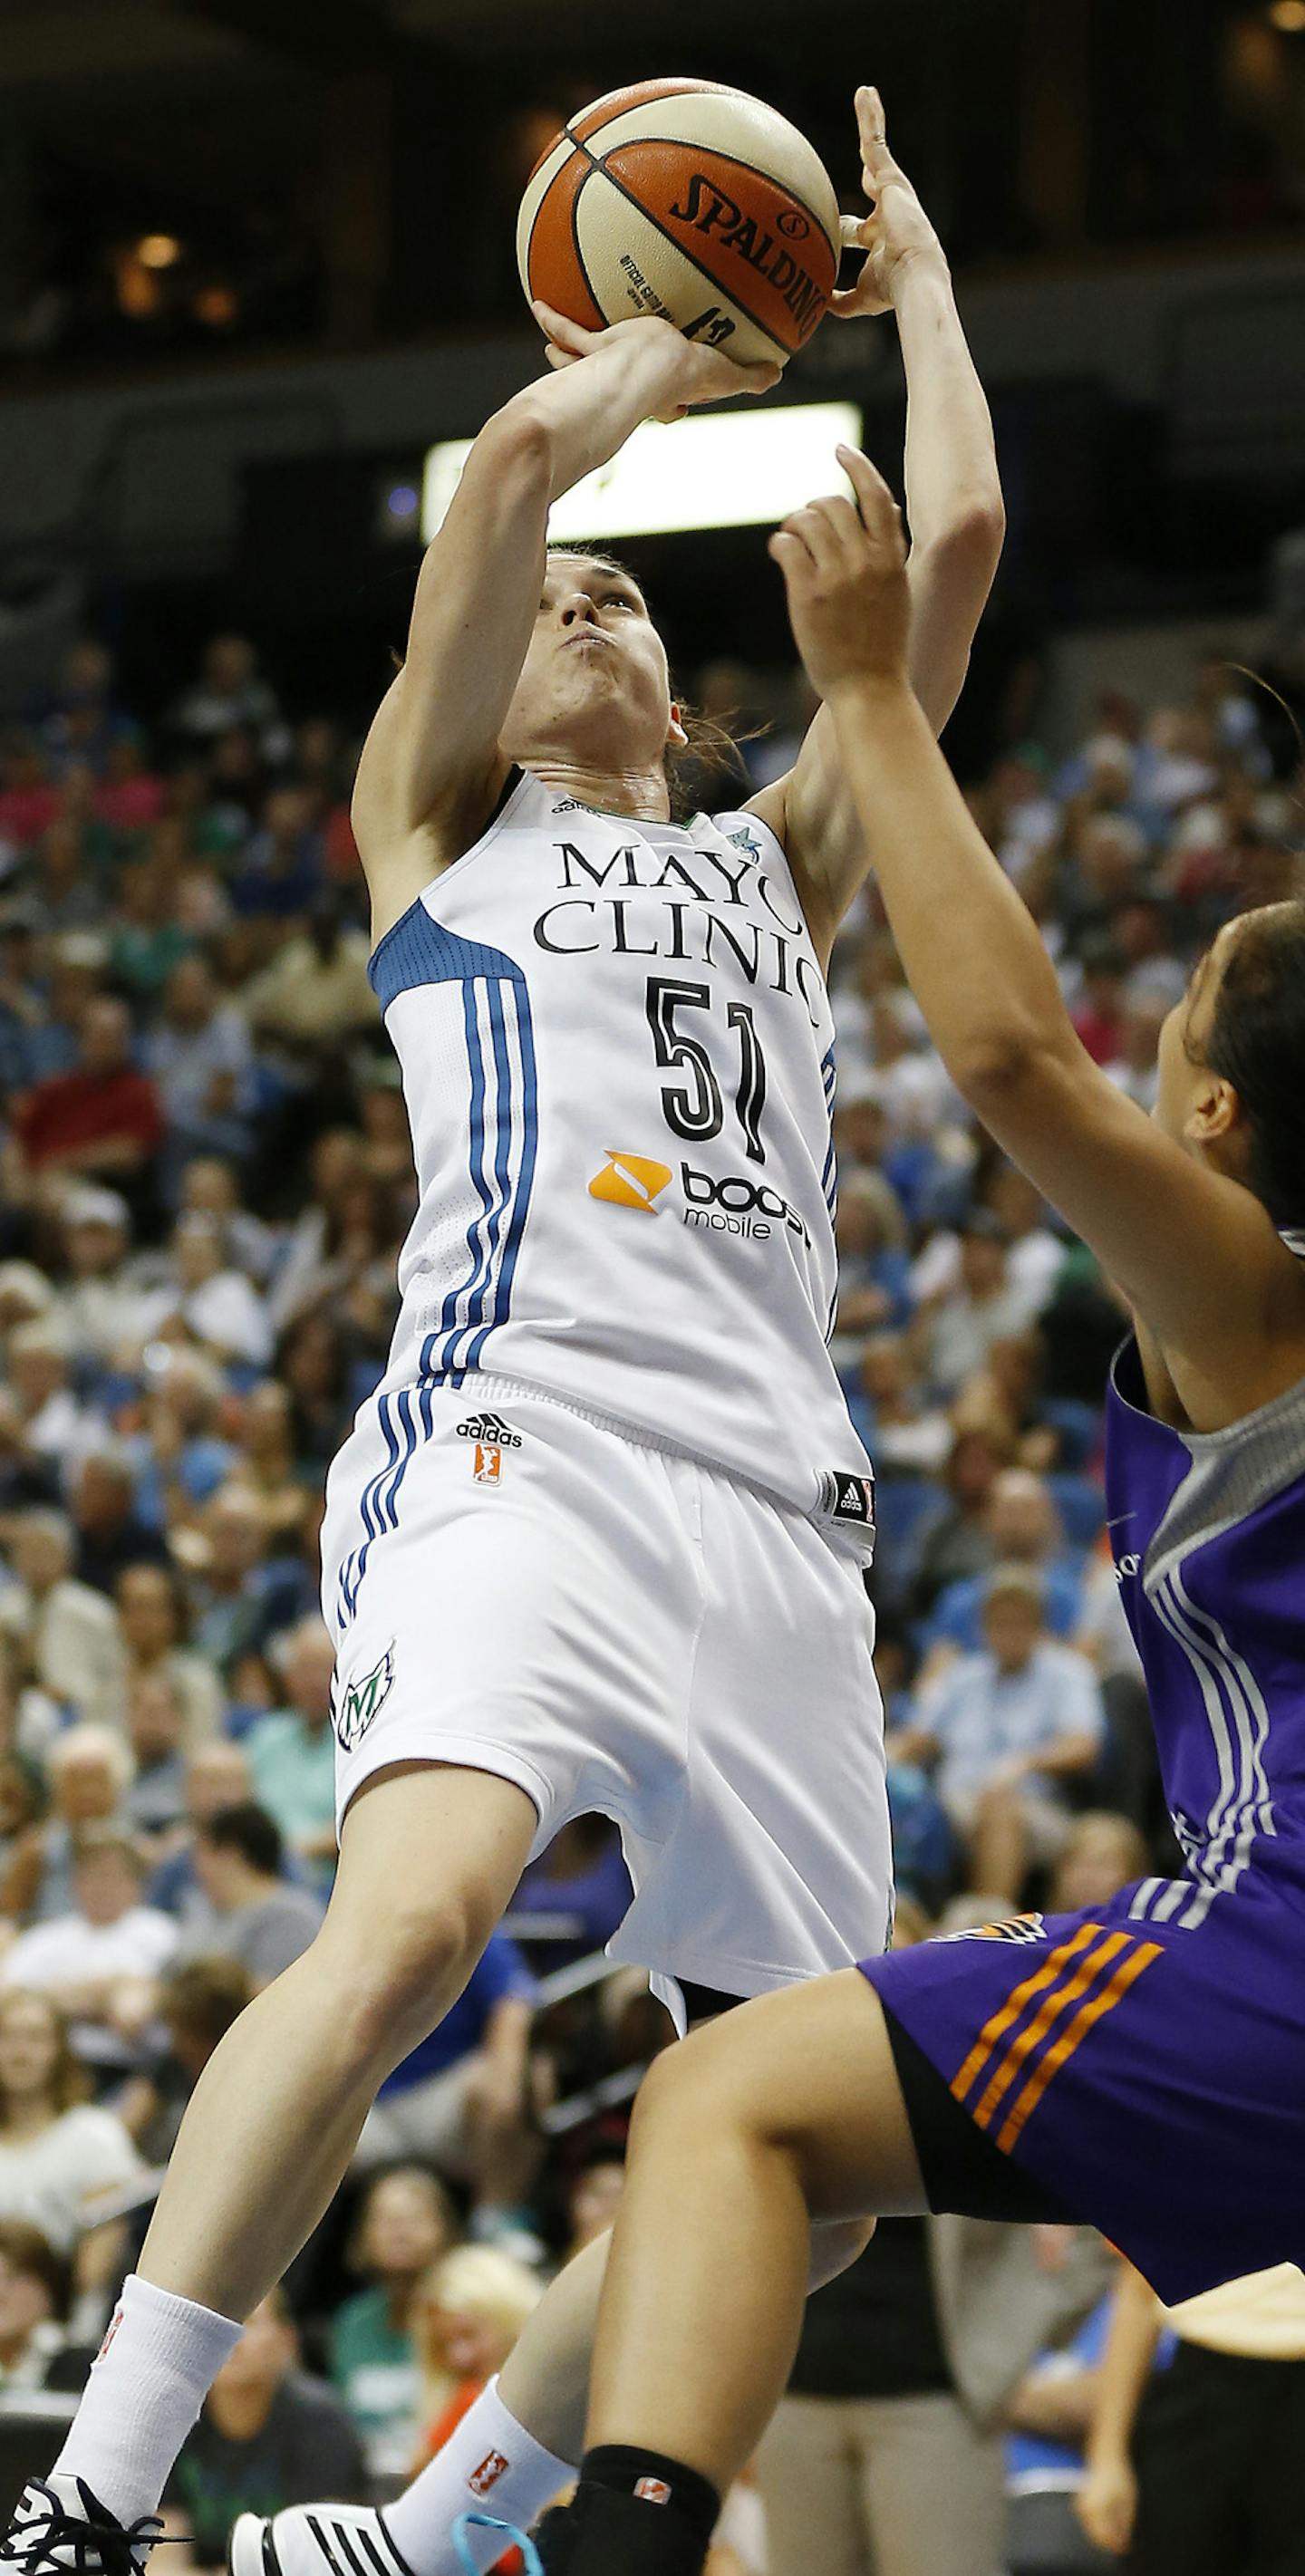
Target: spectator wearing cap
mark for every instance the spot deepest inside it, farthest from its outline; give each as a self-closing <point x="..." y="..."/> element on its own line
<point x="100" y="1303"/>
<point x="1009" y="1729"/>
<point x="984" y="1307"/>
<point x="68" y="1628"/>
<point x="110" y="1534"/>
<point x="154" y="1616"/>
<point x="292" y="1753"/>
<point x="101" y="1960"/>
<point x="250" y="1912"/>
<point x="202" y="1062"/>
<point x="101" y="1120"/>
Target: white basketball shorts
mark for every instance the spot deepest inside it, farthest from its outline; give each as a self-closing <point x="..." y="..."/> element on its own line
<point x="517" y="1587"/>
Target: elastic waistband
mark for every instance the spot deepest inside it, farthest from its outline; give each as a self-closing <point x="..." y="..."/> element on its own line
<point x="486" y="1387"/>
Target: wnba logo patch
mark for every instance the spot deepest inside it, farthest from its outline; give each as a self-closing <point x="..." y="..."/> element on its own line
<point x="652" y="2490"/>
<point x="630" y="1180"/>
<point x="363" y="1701"/>
<point x="488" y="2474"/>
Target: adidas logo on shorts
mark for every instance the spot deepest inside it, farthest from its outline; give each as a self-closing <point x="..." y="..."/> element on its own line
<point x="491" y="1429"/>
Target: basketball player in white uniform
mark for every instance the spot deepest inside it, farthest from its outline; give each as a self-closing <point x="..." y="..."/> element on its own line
<point x="597" y="1543"/>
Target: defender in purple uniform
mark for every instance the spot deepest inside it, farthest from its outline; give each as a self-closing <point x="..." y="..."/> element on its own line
<point x="1141" y="2067"/>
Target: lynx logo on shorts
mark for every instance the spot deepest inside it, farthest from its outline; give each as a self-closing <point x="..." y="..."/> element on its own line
<point x="364" y="1700"/>
<point x="1016" y="1927"/>
<point x="630" y="1180"/>
<point x="489" y="2472"/>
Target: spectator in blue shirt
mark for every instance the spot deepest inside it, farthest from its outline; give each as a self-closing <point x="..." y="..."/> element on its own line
<point x="1008" y="1730"/>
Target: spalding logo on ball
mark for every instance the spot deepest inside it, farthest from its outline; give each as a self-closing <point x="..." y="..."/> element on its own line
<point x="687" y="199"/>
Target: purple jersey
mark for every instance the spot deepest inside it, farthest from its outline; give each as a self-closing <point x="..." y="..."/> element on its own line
<point x="1145" y="2060"/>
<point x="1208" y="1533"/>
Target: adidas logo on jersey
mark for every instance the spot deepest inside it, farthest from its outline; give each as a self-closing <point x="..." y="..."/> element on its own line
<point x="490" y="1429"/>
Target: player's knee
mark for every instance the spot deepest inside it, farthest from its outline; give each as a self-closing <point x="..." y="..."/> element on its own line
<point x="699" y="2086"/>
<point x="401" y="1980"/>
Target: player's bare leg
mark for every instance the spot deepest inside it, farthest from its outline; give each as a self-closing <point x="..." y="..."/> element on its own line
<point x="429" y="1857"/>
<point x="786" y="2112"/>
<point x="512" y="2453"/>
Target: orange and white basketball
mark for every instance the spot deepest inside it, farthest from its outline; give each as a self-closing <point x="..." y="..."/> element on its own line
<point x="687" y="199"/>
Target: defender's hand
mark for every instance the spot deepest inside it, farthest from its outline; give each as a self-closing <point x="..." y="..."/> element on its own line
<point x="896" y="234"/>
<point x="844" y="568"/>
<point x="694" y="373"/>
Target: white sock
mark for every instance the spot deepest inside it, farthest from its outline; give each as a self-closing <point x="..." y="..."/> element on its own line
<point x="490" y="2464"/>
<point x="148" y="2382"/>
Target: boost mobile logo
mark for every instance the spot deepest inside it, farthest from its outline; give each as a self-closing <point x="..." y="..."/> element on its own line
<point x="630" y="1180"/>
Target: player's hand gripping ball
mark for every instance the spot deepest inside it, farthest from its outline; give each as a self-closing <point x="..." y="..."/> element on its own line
<point x="690" y="201"/>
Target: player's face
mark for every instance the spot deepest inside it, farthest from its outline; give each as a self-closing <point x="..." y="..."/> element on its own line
<point x="594" y="686"/>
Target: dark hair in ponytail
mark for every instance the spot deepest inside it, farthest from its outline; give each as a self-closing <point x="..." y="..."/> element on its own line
<point x="1257" y="1043"/>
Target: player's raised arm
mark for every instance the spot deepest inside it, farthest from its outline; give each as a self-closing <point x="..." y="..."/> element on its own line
<point x="431" y="766"/>
<point x="954" y="505"/>
<point x="1164" y="1203"/>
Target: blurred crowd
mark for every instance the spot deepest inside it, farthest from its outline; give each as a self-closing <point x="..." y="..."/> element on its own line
<point x="206" y="1179"/>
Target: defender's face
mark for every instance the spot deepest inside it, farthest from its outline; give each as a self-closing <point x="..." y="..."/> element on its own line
<point x="594" y="683"/>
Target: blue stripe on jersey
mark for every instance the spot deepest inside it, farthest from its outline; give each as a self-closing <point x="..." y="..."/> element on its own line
<point x="502" y="1141"/>
<point x="525" y="1176"/>
<point x="480" y="1248"/>
<point x="495" y="1208"/>
<point x="419" y="950"/>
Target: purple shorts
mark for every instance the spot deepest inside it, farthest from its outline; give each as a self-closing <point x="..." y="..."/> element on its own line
<point x="1148" y="2076"/>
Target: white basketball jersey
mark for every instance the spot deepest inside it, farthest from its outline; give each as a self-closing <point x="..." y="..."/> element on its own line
<point x="617" y="1054"/>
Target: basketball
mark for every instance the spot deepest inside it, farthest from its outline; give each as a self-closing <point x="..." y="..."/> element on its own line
<point x="690" y="200"/>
